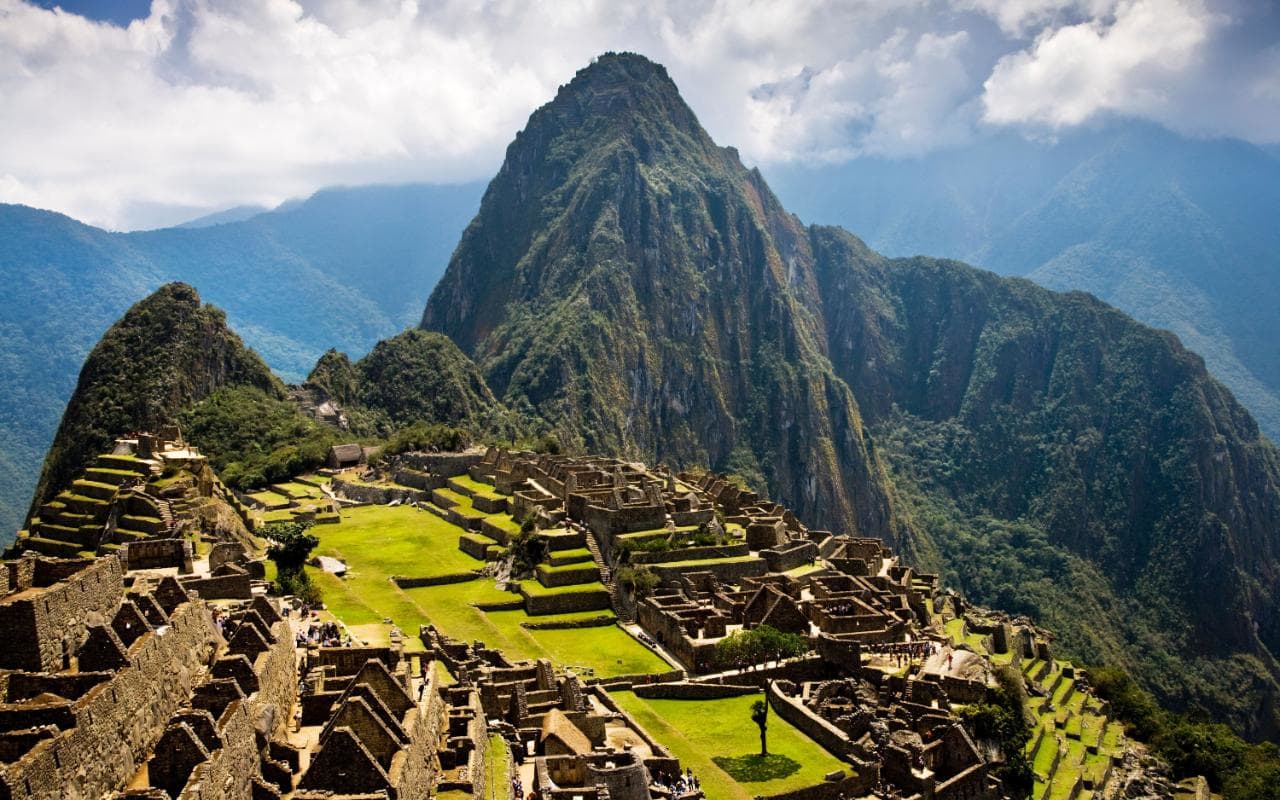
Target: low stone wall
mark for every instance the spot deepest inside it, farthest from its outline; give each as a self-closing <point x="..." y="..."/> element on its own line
<point x="378" y="495"/>
<point x="159" y="554"/>
<point x="433" y="580"/>
<point x="586" y="573"/>
<point x="725" y="572"/>
<point x="602" y="621"/>
<point x="489" y="505"/>
<point x="781" y="559"/>
<point x="446" y="465"/>
<point x="832" y="739"/>
<point x="692" y="691"/>
<point x="566" y="603"/>
<point x="474" y="545"/>
<point x="691" y="553"/>
<point x="418" y="480"/>
<point x="500" y="535"/>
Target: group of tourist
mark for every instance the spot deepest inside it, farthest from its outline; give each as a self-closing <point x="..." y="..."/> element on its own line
<point x="323" y="634"/>
<point x="906" y="652"/>
<point x="682" y="784"/>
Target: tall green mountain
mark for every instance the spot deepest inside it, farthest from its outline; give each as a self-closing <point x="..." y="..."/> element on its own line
<point x="635" y="284"/>
<point x="343" y="268"/>
<point x="631" y="281"/>
<point x="1178" y="232"/>
<point x="167" y="352"/>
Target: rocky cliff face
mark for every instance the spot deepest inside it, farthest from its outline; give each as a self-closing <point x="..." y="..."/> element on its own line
<point x="634" y="283"/>
<point x="166" y="352"/>
<point x="630" y="280"/>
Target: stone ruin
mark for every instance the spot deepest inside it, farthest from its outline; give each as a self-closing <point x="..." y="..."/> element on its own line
<point x="582" y="744"/>
<point x="104" y="683"/>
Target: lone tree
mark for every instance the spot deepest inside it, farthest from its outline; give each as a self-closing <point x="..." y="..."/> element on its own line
<point x="289" y="546"/>
<point x="760" y="716"/>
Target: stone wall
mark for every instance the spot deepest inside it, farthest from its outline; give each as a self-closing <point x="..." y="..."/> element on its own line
<point x="569" y="575"/>
<point x="433" y="580"/>
<point x="418" y="479"/>
<point x="47" y="619"/>
<point x="566" y="603"/>
<point x="607" y="523"/>
<point x="229" y="772"/>
<point x="725" y="571"/>
<point x="816" y="728"/>
<point x="377" y="495"/>
<point x="446" y="465"/>
<point x="120" y="720"/>
<point x="790" y="556"/>
<point x="221" y="587"/>
<point x="692" y="691"/>
<point x="159" y="554"/>
<point x="277" y="671"/>
<point x="690" y="553"/>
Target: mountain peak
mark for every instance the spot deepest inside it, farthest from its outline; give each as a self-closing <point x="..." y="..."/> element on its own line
<point x="618" y="97"/>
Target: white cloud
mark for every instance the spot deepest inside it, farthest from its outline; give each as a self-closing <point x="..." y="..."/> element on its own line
<point x="1133" y="64"/>
<point x="212" y="103"/>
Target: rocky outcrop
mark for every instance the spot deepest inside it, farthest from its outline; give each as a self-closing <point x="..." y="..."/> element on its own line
<point x="641" y="289"/>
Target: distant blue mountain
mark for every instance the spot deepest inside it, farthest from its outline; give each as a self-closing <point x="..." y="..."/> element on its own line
<point x="1180" y="233"/>
<point x="235" y="214"/>
<point x="343" y="269"/>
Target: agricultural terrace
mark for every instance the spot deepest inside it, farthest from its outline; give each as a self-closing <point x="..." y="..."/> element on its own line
<point x="378" y="542"/>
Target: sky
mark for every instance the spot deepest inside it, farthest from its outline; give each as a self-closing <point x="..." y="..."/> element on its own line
<point x="131" y="114"/>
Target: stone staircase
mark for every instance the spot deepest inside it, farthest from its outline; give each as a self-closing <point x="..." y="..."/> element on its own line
<point x="624" y="612"/>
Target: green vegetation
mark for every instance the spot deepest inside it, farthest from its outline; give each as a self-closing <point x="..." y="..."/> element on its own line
<point x="289" y="547"/>
<point x="704" y="734"/>
<point x="167" y="352"/>
<point x="763" y="643"/>
<point x="254" y="439"/>
<point x="395" y="540"/>
<point x="419" y="377"/>
<point x="1003" y="721"/>
<point x="499" y="788"/>
<point x="1234" y="767"/>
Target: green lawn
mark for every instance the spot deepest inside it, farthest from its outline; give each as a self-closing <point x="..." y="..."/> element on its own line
<point x="377" y="542"/>
<point x="395" y="540"/>
<point x="499" y="788"/>
<point x="606" y="650"/>
<point x="699" y="731"/>
<point x="485" y="490"/>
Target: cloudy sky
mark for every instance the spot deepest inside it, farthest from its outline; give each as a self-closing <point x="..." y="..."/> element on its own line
<point x="130" y="114"/>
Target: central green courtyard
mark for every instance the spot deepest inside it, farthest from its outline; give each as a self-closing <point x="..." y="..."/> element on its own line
<point x="718" y="740"/>
<point x="378" y="542"/>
